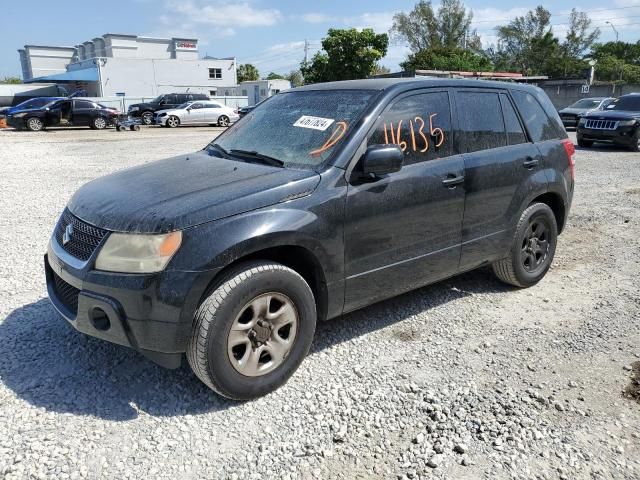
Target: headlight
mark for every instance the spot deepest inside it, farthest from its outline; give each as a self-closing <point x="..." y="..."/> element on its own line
<point x="162" y="115"/>
<point x="138" y="253"/>
<point x="626" y="123"/>
<point x="134" y="109"/>
<point x="582" y="121"/>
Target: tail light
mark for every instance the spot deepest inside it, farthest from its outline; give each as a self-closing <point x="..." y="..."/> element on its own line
<point x="570" y="150"/>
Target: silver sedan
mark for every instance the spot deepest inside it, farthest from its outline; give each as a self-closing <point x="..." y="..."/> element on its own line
<point x="202" y="112"/>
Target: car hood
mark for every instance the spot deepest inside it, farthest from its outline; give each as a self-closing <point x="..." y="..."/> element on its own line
<point x="612" y="115"/>
<point x="185" y="191"/>
<point x="575" y="111"/>
<point x="144" y="105"/>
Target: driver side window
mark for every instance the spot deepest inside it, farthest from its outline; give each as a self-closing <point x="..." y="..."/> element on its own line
<point x="420" y="124"/>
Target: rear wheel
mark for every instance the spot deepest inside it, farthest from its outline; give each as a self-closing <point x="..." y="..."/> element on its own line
<point x="173" y="121"/>
<point x="223" y="121"/>
<point x="35" y="124"/>
<point x="253" y="330"/>
<point x="533" y="248"/>
<point x="147" y="118"/>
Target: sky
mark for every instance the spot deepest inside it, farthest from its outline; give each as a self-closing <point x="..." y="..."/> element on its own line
<point x="269" y="34"/>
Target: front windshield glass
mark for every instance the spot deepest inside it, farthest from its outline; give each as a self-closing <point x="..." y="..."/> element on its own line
<point x="302" y="129"/>
<point x="184" y="105"/>
<point x="630" y="103"/>
<point x="586" y="103"/>
<point x="32" y="103"/>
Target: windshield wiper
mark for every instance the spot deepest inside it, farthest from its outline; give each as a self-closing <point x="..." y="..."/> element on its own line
<point x="219" y="148"/>
<point x="266" y="159"/>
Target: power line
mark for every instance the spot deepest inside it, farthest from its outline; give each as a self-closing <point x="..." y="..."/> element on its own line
<point x="558" y="14"/>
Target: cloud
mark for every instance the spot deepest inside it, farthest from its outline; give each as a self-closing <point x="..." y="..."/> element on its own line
<point x="221" y="13"/>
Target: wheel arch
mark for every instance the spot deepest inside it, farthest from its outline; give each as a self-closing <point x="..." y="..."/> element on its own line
<point x="556" y="204"/>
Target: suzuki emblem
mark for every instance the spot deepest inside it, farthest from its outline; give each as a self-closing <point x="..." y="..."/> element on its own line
<point x="68" y="233"/>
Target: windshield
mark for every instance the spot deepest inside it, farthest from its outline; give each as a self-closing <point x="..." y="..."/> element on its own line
<point x="587" y="103"/>
<point x="183" y="106"/>
<point x="32" y="103"/>
<point x="630" y="103"/>
<point x="302" y="129"/>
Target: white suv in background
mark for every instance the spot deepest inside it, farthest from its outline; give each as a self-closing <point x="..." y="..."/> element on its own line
<point x="200" y="112"/>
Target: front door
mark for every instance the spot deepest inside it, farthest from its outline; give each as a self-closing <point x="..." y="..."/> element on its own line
<point x="195" y="114"/>
<point x="499" y="163"/>
<point x="403" y="231"/>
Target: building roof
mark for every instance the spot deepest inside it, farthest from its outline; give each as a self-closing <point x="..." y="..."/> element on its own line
<point x="80" y="75"/>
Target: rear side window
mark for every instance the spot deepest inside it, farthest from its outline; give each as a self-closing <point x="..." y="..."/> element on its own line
<point x="420" y="124"/>
<point x="481" y="126"/>
<point x="515" y="133"/>
<point x="84" y="104"/>
<point x="538" y="123"/>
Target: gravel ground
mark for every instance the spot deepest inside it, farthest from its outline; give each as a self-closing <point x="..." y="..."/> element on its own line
<point x="464" y="379"/>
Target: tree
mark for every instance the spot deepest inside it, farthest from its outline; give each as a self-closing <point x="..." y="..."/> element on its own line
<point x="11" y="80"/>
<point x="274" y="76"/>
<point x="423" y="29"/>
<point x="247" y="72"/>
<point x="441" y="58"/>
<point x="579" y="37"/>
<point x="346" y="55"/>
<point x="295" y="77"/>
<point x="627" y="52"/>
<point x="381" y="70"/>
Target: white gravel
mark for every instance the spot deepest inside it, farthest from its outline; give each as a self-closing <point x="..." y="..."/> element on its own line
<point x="465" y="379"/>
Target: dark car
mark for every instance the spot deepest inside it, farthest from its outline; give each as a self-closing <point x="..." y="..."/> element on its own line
<point x="37" y="102"/>
<point x="61" y="113"/>
<point x="618" y="124"/>
<point x="571" y="114"/>
<point x="326" y="199"/>
<point x="242" y="111"/>
<point x="168" y="101"/>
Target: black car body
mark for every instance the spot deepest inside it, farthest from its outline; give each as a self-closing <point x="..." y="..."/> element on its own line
<point x="144" y="111"/>
<point x="76" y="112"/>
<point x="385" y="186"/>
<point x="570" y="115"/>
<point x="618" y="124"/>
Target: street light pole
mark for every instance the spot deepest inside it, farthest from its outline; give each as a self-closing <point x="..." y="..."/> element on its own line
<point x="614" y="29"/>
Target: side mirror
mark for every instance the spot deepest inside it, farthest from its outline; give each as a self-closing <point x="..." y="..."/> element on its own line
<point x="380" y="160"/>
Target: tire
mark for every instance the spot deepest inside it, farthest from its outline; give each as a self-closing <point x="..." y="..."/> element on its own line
<point x="223" y="121"/>
<point x="521" y="267"/>
<point x="635" y="145"/>
<point x="172" y="121"/>
<point x="222" y="360"/>
<point x="34" y="124"/>
<point x="584" y="143"/>
<point x="146" y="118"/>
<point x="99" y="123"/>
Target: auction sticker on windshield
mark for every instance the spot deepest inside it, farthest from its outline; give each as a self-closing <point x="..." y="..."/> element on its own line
<point x="315" y="123"/>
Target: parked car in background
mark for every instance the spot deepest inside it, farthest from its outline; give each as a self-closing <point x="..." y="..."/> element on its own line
<point x="249" y="108"/>
<point x="202" y="112"/>
<point x="330" y="198"/>
<point x="570" y="114"/>
<point x="145" y="111"/>
<point x="66" y="112"/>
<point x="29" y="104"/>
<point x="618" y="124"/>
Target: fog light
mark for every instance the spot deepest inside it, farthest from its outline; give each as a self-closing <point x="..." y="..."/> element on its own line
<point x="99" y="319"/>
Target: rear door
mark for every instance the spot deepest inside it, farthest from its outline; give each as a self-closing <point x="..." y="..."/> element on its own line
<point x="403" y="230"/>
<point x="501" y="167"/>
<point x="212" y="111"/>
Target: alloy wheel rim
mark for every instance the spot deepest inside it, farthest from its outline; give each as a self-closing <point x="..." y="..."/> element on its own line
<point x="35" y="124"/>
<point x="173" y="122"/>
<point x="100" y="123"/>
<point x="262" y="334"/>
<point x="535" y="245"/>
<point x="146" y="118"/>
<point x="223" y="121"/>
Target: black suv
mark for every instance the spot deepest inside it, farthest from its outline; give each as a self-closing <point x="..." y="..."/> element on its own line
<point x="68" y="112"/>
<point x="618" y="124"/>
<point x="326" y="199"/>
<point x="145" y="111"/>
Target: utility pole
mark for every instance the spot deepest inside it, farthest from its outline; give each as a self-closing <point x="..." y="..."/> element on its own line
<point x="306" y="50"/>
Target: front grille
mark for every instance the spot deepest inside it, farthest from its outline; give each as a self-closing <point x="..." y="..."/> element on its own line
<point x="601" y="124"/>
<point x="66" y="293"/>
<point x="84" y="239"/>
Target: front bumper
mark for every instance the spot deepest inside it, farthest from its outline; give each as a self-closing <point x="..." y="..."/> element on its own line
<point x="150" y="313"/>
<point x="16" y="122"/>
<point x="624" y="136"/>
<point x="158" y="120"/>
<point x="569" y="121"/>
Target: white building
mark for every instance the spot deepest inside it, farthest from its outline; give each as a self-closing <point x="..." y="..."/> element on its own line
<point x="130" y="65"/>
<point x="257" y="90"/>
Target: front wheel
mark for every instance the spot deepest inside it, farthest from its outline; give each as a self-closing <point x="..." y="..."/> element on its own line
<point x="173" y="121"/>
<point x="223" y="121"/>
<point x="635" y="142"/>
<point x="253" y="330"/>
<point x="147" y="118"/>
<point x="99" y="123"/>
<point x="584" y="143"/>
<point x="534" y="246"/>
<point x="35" y="124"/>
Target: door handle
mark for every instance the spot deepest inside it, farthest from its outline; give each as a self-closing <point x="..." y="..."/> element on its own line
<point x="530" y="162"/>
<point x="452" y="180"/>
